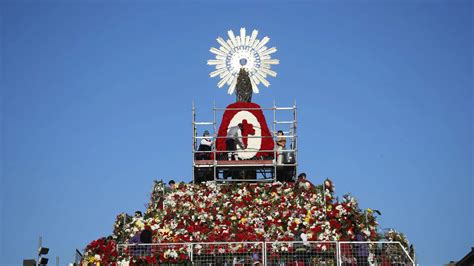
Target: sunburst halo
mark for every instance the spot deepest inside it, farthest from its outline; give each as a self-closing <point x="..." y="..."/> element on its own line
<point x="246" y="52"/>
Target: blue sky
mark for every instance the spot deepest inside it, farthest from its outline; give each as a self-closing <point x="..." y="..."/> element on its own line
<point x="96" y="103"/>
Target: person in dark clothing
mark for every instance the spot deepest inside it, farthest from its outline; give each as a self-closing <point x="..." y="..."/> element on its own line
<point x="135" y="249"/>
<point x="361" y="250"/>
<point x="204" y="147"/>
<point x="302" y="177"/>
<point x="142" y="239"/>
<point x="172" y="184"/>
<point x="146" y="235"/>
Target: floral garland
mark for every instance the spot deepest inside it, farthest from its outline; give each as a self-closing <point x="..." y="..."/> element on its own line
<point x="122" y="228"/>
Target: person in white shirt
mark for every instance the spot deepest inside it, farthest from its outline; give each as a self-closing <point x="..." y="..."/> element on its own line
<point x="280" y="145"/>
<point x="234" y="138"/>
<point x="301" y="249"/>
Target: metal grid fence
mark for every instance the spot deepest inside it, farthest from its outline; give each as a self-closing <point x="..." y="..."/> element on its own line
<point x="373" y="253"/>
<point x="301" y="253"/>
<point x="239" y="253"/>
<point x="267" y="253"/>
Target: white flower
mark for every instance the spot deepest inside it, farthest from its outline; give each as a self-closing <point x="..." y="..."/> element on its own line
<point x="371" y="258"/>
<point x="366" y="232"/>
<point x="173" y="254"/>
<point x="124" y="263"/>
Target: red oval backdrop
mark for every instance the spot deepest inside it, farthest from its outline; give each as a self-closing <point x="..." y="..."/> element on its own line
<point x="267" y="142"/>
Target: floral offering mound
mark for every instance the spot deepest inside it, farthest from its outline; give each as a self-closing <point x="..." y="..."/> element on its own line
<point x="240" y="212"/>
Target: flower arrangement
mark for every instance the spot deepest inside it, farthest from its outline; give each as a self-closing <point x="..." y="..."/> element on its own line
<point x="101" y="251"/>
<point x="393" y="235"/>
<point x="241" y="212"/>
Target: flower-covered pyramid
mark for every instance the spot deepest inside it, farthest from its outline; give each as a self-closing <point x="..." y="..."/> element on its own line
<point x="209" y="212"/>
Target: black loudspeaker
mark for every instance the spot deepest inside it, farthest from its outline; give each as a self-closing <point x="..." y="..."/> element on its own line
<point x="29" y="263"/>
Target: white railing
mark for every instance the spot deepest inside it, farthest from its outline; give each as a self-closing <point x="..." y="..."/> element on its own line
<point x="276" y="253"/>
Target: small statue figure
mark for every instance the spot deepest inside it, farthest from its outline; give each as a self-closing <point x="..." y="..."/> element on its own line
<point x="243" y="87"/>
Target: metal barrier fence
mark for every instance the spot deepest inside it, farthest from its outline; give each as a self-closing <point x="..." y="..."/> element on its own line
<point x="301" y="253"/>
<point x="374" y="253"/>
<point x="267" y="253"/>
<point x="239" y="253"/>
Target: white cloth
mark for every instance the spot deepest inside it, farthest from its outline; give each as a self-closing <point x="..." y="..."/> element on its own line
<point x="207" y="142"/>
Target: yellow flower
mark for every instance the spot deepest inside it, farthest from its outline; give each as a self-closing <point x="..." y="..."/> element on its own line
<point x="140" y="224"/>
<point x="164" y="230"/>
<point x="243" y="220"/>
<point x="308" y="217"/>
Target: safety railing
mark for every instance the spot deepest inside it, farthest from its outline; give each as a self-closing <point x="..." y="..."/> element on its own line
<point x="276" y="253"/>
<point x="301" y="253"/>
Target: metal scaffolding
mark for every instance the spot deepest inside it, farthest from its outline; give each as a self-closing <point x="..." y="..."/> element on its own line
<point x="257" y="169"/>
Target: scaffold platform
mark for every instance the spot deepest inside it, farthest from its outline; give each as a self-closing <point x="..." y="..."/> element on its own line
<point x="264" y="165"/>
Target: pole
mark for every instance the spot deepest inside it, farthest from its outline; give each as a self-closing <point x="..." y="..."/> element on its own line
<point x="275" y="158"/>
<point x="193" y="141"/>
<point x="214" y="162"/>
<point x="40" y="243"/>
<point x="295" y="141"/>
